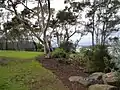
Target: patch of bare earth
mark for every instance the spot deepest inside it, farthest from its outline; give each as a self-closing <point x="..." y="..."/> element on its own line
<point x="63" y="72"/>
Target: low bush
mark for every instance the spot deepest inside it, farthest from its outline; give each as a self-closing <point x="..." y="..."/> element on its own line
<point x="59" y="53"/>
<point x="93" y="60"/>
<point x="40" y="50"/>
<point x="68" y="46"/>
<point x="78" y="59"/>
<point x="99" y="59"/>
<point x="40" y="47"/>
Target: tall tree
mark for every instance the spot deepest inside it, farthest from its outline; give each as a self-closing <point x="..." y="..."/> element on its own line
<point x="41" y="17"/>
<point x="103" y="19"/>
<point x="68" y="24"/>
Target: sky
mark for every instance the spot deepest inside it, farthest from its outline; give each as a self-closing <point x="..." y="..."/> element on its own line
<point x="57" y="4"/>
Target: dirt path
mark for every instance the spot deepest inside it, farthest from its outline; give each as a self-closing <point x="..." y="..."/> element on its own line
<point x="63" y="72"/>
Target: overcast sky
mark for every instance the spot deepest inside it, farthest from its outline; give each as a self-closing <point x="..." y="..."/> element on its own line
<point x="57" y="4"/>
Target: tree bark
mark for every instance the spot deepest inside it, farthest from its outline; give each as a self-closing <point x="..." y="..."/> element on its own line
<point x="93" y="32"/>
<point x="45" y="39"/>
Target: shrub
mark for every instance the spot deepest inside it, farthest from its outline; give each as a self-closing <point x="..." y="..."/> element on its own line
<point x="59" y="53"/>
<point x="95" y="59"/>
<point x="40" y="47"/>
<point x="99" y="58"/>
<point x="40" y="50"/>
<point x="67" y="46"/>
<point x="78" y="59"/>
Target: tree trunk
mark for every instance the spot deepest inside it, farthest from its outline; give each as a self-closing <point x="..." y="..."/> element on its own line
<point x="6" y="44"/>
<point x="46" y="47"/>
<point x="46" y="43"/>
<point x="6" y="40"/>
<point x="58" y="40"/>
<point x="93" y="39"/>
<point x="93" y="32"/>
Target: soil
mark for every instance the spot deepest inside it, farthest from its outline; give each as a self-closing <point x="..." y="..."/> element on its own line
<point x="63" y="72"/>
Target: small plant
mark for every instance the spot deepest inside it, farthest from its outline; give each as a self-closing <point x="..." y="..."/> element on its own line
<point x="40" y="47"/>
<point x="59" y="53"/>
<point x="78" y="59"/>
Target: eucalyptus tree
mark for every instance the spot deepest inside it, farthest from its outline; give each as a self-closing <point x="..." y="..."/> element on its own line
<point x="102" y="17"/>
<point x="4" y="18"/>
<point x="66" y="24"/>
<point x="15" y="31"/>
<point x="66" y="20"/>
<point x="43" y="22"/>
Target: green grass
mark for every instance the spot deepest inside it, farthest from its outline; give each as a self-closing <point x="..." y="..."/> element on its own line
<point x="26" y="75"/>
<point x="20" y="54"/>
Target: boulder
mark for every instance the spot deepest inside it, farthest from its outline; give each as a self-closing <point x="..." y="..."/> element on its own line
<point x="102" y="87"/>
<point x="79" y="79"/>
<point x="84" y="81"/>
<point x="111" y="79"/>
<point x="74" y="78"/>
<point x="95" y="78"/>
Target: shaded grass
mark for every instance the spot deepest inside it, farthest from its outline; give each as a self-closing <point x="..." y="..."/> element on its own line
<point x="26" y="74"/>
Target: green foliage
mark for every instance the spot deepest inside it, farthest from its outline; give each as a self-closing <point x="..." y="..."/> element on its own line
<point x="40" y="50"/>
<point x="65" y="16"/>
<point x="40" y="47"/>
<point x="67" y="46"/>
<point x="94" y="59"/>
<point x="78" y="59"/>
<point x="59" y="53"/>
<point x="98" y="58"/>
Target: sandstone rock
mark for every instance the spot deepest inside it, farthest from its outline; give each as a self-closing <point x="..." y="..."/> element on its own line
<point x="102" y="87"/>
<point x="74" y="78"/>
<point x="79" y="79"/>
<point x="84" y="81"/>
<point x="96" y="76"/>
<point x="111" y="79"/>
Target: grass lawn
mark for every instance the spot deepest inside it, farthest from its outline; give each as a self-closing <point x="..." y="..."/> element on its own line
<point x="21" y="74"/>
<point x="20" y="54"/>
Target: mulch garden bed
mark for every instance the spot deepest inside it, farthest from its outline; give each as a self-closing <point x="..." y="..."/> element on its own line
<point x="63" y="72"/>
